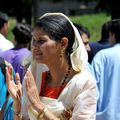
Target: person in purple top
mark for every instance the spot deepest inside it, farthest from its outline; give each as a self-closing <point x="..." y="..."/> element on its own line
<point x="20" y="54"/>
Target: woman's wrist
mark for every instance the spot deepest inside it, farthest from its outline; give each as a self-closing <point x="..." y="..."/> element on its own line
<point x="42" y="113"/>
<point x="39" y="107"/>
<point x="18" y="114"/>
<point x="17" y="107"/>
<point x="17" y="110"/>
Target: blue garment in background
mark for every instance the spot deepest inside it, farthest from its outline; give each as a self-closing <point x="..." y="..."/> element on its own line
<point x="8" y="114"/>
<point x="96" y="47"/>
<point x="106" y="70"/>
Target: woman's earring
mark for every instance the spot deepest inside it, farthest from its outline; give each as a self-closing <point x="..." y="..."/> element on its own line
<point x="61" y="54"/>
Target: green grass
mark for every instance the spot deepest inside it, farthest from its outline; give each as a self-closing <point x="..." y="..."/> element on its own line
<point x="12" y="23"/>
<point x="93" y="22"/>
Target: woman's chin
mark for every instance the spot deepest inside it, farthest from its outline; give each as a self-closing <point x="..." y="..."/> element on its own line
<point x="38" y="59"/>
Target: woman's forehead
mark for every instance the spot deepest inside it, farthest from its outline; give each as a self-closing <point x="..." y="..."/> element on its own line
<point x="40" y="30"/>
<point x="40" y="34"/>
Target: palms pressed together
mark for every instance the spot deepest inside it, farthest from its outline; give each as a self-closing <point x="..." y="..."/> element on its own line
<point x="15" y="89"/>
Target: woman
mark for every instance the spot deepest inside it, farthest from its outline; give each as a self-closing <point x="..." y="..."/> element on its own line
<point x="67" y="90"/>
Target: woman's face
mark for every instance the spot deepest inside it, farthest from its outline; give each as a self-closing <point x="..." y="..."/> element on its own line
<point x="45" y="50"/>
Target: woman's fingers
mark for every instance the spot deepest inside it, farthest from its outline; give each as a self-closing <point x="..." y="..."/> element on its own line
<point x="19" y="92"/>
<point x="9" y="72"/>
<point x="30" y="74"/>
<point x="29" y="79"/>
<point x="31" y="88"/>
<point x="7" y="76"/>
<point x="17" y="79"/>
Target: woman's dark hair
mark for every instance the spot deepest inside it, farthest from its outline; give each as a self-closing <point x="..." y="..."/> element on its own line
<point x="114" y="27"/>
<point x="58" y="27"/>
<point x="22" y="33"/>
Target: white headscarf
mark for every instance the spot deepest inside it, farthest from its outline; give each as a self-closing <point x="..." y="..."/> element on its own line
<point x="79" y="55"/>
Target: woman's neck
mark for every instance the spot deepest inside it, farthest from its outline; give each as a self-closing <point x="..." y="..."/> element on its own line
<point x="59" y="73"/>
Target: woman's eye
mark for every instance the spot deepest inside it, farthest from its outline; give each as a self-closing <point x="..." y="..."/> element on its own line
<point x="41" y="41"/>
<point x="38" y="42"/>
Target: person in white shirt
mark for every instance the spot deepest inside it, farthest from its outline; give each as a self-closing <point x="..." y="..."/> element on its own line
<point x="4" y="43"/>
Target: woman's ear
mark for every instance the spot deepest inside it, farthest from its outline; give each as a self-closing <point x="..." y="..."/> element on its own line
<point x="64" y="42"/>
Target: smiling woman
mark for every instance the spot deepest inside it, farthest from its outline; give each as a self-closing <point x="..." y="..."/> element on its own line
<point x="48" y="89"/>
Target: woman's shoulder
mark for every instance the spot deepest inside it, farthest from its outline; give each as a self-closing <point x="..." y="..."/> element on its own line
<point x="83" y="78"/>
<point x="84" y="75"/>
